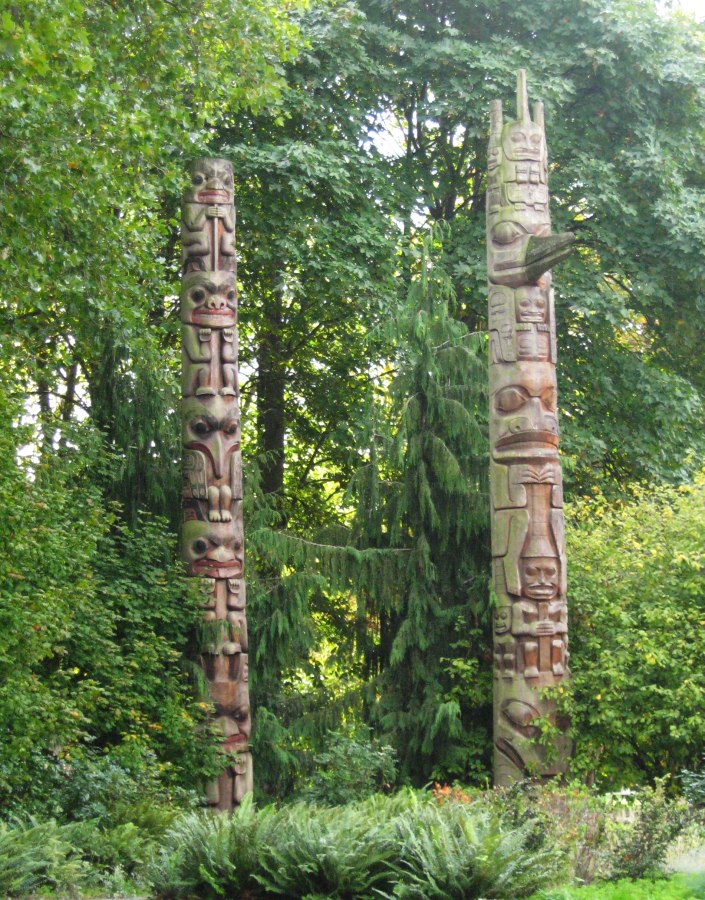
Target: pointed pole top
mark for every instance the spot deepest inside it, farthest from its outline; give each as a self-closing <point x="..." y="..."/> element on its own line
<point x="522" y="97"/>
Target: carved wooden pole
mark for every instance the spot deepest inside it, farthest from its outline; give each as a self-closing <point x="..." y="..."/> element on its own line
<point x="528" y="556"/>
<point x="213" y="534"/>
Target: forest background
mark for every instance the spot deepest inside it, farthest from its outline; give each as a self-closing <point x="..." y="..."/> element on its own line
<point x="358" y="135"/>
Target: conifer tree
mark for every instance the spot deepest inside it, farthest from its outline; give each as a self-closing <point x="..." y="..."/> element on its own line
<point x="424" y="495"/>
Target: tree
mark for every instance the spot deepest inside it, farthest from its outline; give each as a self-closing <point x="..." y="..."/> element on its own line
<point x="102" y="103"/>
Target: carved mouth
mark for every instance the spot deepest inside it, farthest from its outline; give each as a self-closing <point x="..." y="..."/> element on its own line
<point x="213" y="568"/>
<point x="213" y="197"/>
<point x="234" y="740"/>
<point x="539" y="438"/>
<point x="212" y="312"/>
<point x="526" y="452"/>
<point x="540" y="593"/>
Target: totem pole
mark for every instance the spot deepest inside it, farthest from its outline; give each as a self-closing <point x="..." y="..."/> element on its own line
<point x="212" y="539"/>
<point x="528" y="556"/>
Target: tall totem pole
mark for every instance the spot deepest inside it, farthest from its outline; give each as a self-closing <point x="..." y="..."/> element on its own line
<point x="528" y="556"/>
<point x="213" y="532"/>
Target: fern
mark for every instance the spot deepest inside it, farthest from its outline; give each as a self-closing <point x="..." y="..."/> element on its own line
<point x="337" y="852"/>
<point x="35" y="855"/>
<point x="458" y="850"/>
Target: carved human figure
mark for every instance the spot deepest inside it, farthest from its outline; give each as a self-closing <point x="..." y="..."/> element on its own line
<point x="208" y="218"/>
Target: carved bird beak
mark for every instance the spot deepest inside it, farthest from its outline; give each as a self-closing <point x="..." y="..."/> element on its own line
<point x="217" y="454"/>
<point x="543" y="253"/>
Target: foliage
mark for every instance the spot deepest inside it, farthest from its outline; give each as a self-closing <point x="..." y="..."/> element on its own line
<point x="404" y="845"/>
<point x="571" y="819"/>
<point x="637" y="605"/>
<point x="680" y="887"/>
<point x="638" y="847"/>
<point x="420" y="496"/>
<point x="693" y="781"/>
<point x="101" y="105"/>
<point x="209" y="855"/>
<point x="95" y="618"/>
<point x="350" y="768"/>
<point x="454" y="850"/>
<point x="36" y="855"/>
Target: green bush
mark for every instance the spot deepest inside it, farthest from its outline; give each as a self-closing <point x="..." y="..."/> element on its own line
<point x="39" y="855"/>
<point x="95" y="618"/>
<point x="459" y="850"/>
<point x="209" y="855"/>
<point x="351" y="767"/>
<point x="404" y="845"/>
<point x="328" y="852"/>
<point x="637" y="606"/>
<point x="693" y="782"/>
<point x="637" y="848"/>
<point x="571" y="819"/>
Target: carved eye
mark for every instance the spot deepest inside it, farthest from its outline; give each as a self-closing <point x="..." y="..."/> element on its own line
<point x="531" y="571"/>
<point x="535" y="139"/>
<point x="231" y="295"/>
<point x="198" y="295"/>
<point x="197" y="179"/>
<point x="230" y="429"/>
<point x="510" y="399"/>
<point x="549" y="398"/>
<point x="200" y="546"/>
<point x="506" y="232"/>
<point x="550" y="572"/>
<point x="201" y="427"/>
<point x="228" y="181"/>
<point x="242" y="714"/>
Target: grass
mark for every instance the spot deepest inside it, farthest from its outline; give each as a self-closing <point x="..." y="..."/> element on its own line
<point x="678" y="887"/>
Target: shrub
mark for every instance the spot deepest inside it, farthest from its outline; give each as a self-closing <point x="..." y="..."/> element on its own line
<point x="37" y="855"/>
<point x="403" y="845"/>
<point x="637" y="595"/>
<point x="693" y="782"/>
<point x="351" y="767"/>
<point x="331" y="852"/>
<point x="207" y="855"/>
<point x="572" y="819"/>
<point x="637" y="848"/>
<point x="459" y="850"/>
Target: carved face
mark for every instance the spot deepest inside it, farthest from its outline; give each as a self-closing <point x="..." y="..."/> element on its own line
<point x="539" y="577"/>
<point x="502" y="619"/>
<point x="524" y="412"/>
<point x="209" y="299"/>
<point x="214" y="429"/>
<point x="234" y="719"/>
<point x="523" y="141"/>
<point x="211" y="182"/>
<point x="531" y="304"/>
<point x="213" y="549"/>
